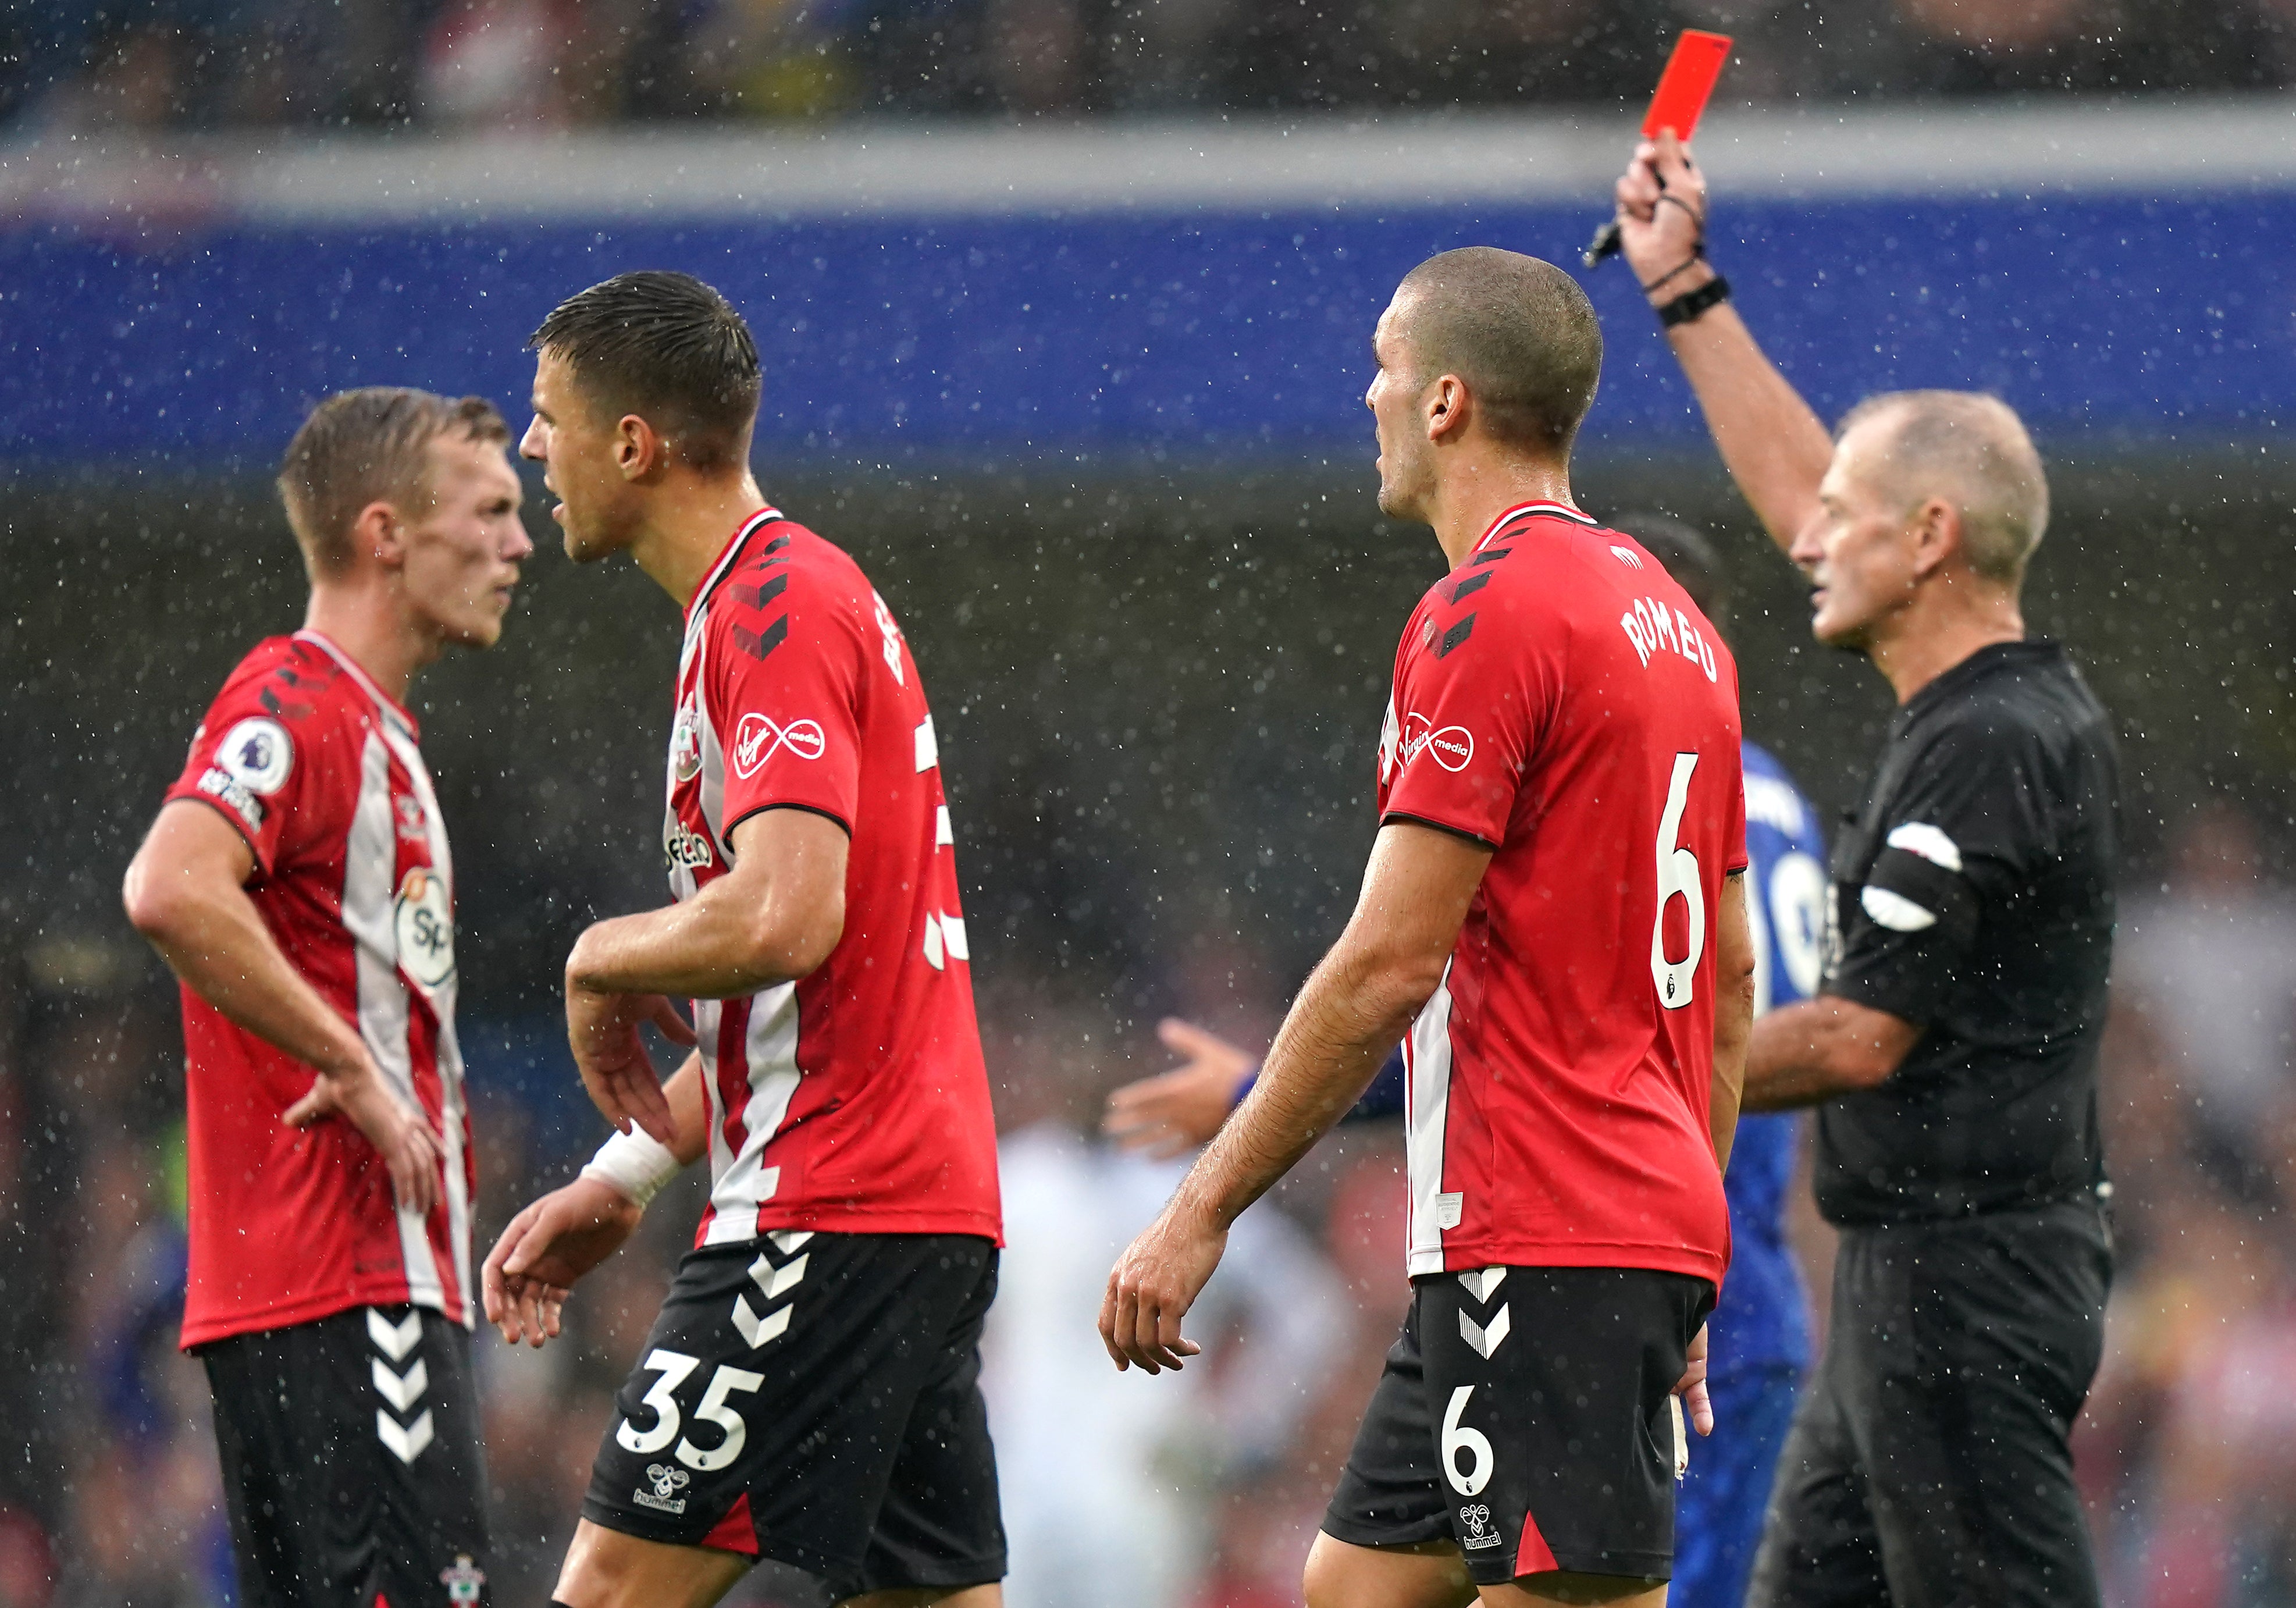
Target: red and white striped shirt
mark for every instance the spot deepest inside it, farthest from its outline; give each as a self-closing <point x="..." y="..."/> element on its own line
<point x="319" y="771"/>
<point x="1560" y="700"/>
<point x="854" y="1099"/>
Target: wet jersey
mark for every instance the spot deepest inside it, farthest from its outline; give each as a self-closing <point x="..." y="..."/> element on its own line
<point x="854" y="1098"/>
<point x="318" y="770"/>
<point x="1765" y="1319"/>
<point x="1973" y="898"/>
<point x="1559" y="699"/>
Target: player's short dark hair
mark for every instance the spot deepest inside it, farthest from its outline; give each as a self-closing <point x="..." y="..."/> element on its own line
<point x="1520" y="332"/>
<point x="668" y="349"/>
<point x="370" y="445"/>
<point x="1688" y="557"/>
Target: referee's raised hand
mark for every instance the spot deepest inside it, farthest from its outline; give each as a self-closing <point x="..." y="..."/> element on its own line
<point x="1662" y="200"/>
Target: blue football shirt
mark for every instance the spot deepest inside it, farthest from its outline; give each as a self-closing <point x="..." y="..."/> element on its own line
<point x="1764" y="1317"/>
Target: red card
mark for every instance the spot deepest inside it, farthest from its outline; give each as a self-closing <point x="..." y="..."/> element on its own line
<point x="1689" y="78"/>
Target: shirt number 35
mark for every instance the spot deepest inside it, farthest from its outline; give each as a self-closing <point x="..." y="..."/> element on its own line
<point x="675" y="1366"/>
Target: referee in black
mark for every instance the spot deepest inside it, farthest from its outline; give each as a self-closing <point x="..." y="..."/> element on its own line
<point x="1952" y="1050"/>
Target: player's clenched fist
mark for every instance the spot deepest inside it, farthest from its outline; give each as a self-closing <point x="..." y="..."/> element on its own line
<point x="1152" y="1287"/>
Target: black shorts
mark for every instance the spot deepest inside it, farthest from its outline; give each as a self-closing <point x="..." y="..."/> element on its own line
<point x="1523" y="1414"/>
<point x="351" y="1461"/>
<point x="1929" y="1464"/>
<point x="816" y="1399"/>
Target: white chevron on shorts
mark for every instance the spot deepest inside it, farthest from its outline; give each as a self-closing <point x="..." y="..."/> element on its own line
<point x="783" y="1278"/>
<point x="395" y="1341"/>
<point x="401" y="1393"/>
<point x="405" y="1444"/>
<point x="773" y="1283"/>
<point x="1486" y="1340"/>
<point x="1482" y="1281"/>
<point x="755" y="1330"/>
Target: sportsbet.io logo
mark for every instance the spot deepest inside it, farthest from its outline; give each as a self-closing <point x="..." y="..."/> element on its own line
<point x="424" y="923"/>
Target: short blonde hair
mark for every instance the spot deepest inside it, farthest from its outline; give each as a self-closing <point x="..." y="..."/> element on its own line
<point x="368" y="445"/>
<point x="1971" y="450"/>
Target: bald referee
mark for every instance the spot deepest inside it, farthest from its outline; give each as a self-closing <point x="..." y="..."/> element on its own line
<point x="1951" y="1051"/>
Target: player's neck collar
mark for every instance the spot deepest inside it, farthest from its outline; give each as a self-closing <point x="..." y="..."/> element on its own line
<point x="1537" y="505"/>
<point x="383" y="700"/>
<point x="729" y="555"/>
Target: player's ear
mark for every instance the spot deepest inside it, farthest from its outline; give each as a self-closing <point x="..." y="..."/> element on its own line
<point x="379" y="533"/>
<point x="639" y="449"/>
<point x="1446" y="403"/>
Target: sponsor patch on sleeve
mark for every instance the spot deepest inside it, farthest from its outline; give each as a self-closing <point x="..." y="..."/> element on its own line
<point x="220" y="786"/>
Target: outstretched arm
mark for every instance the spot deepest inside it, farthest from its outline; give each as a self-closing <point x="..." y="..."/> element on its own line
<point x="1774" y="445"/>
<point x="186" y="893"/>
<point x="1807" y="1053"/>
<point x="1353" y="1009"/>
<point x="1172" y="1112"/>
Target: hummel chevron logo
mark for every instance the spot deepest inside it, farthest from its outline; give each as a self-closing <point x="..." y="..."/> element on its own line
<point x="405" y="1444"/>
<point x="401" y="1393"/>
<point x="755" y="1330"/>
<point x="783" y="1278"/>
<point x="1486" y="1340"/>
<point x="395" y="1341"/>
<point x="773" y="1283"/>
<point x="1480" y="1283"/>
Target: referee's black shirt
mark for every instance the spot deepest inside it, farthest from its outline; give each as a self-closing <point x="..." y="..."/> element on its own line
<point x="1973" y="898"/>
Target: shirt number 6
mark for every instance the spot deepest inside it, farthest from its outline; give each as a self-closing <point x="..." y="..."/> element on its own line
<point x="1677" y="874"/>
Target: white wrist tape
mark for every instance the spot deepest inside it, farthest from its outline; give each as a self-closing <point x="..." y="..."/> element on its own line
<point x="635" y="1163"/>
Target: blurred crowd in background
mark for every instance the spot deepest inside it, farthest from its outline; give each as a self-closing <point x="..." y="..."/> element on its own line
<point x="202" y="64"/>
<point x="1199" y="1491"/>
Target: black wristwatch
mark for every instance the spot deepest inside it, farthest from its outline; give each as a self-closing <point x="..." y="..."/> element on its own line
<point x="1690" y="304"/>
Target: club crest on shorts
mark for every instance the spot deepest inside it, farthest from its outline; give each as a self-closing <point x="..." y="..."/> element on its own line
<point x="1476" y="1519"/>
<point x="464" y="1580"/>
<point x="665" y="1482"/>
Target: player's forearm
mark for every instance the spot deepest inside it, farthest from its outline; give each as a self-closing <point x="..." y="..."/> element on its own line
<point x="690" y="1106"/>
<point x="214" y="940"/>
<point x="726" y="941"/>
<point x="1774" y="447"/>
<point x="1734" y="1017"/>
<point x="1810" y="1052"/>
<point x="1340" y="1030"/>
